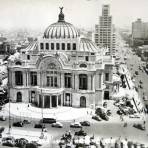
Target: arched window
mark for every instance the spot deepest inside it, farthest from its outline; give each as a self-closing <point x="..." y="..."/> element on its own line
<point x="83" y="65"/>
<point x="83" y="81"/>
<point x="52" y="75"/>
<point x="18" y="78"/>
<point x="82" y="101"/>
<point x="19" y="97"/>
<point x="18" y="63"/>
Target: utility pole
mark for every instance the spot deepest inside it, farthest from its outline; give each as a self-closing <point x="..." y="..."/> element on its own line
<point x="42" y="132"/>
<point x="8" y="95"/>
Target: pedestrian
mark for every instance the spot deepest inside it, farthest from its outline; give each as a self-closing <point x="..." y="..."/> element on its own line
<point x="125" y="124"/>
<point x="28" y="105"/>
<point x="102" y="143"/>
<point x="87" y="112"/>
<point x="111" y="143"/>
<point x="91" y="113"/>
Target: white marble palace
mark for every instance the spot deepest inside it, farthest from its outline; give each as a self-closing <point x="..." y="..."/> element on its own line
<point x="61" y="69"/>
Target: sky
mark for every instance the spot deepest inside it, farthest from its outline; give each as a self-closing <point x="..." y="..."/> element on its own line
<point x="81" y="13"/>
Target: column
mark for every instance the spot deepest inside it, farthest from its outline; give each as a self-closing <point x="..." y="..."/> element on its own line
<point x="89" y="82"/>
<point x="43" y="102"/>
<point x="44" y="79"/>
<point x="24" y="78"/>
<point x="57" y="100"/>
<point x="76" y="81"/>
<point x="93" y="82"/>
<point x="73" y="81"/>
<point x="29" y="78"/>
<point x="100" y="80"/>
<point x="38" y="78"/>
<point x="50" y="101"/>
<point x="10" y="78"/>
<point x="62" y="80"/>
<point x="41" y="79"/>
<point x="13" y="78"/>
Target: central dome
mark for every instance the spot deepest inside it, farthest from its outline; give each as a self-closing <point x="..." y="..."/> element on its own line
<point x="61" y="29"/>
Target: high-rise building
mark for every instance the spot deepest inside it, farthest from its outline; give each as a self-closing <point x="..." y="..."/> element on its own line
<point x="105" y="31"/>
<point x="139" y="31"/>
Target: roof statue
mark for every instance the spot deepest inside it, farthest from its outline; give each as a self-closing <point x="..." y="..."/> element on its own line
<point x="61" y="15"/>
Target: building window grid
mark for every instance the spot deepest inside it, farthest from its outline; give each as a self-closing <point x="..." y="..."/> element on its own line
<point x="68" y="80"/>
<point x="106" y="76"/>
<point x="83" y="81"/>
<point x="33" y="77"/>
<point x="19" y="78"/>
<point x="52" y="80"/>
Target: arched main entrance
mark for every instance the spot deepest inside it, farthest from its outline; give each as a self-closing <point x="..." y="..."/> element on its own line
<point x="19" y="97"/>
<point x="82" y="101"/>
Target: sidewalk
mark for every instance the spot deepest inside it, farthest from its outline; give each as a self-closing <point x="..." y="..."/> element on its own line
<point x="60" y="113"/>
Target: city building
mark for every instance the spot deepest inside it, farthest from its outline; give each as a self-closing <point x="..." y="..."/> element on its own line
<point x="105" y="31"/>
<point x="4" y="46"/>
<point x="139" y="32"/>
<point x="60" y="69"/>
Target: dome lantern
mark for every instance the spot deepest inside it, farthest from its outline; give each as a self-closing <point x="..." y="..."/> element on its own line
<point x="61" y="15"/>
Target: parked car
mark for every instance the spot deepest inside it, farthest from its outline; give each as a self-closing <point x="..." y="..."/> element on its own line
<point x="104" y="116"/>
<point x="8" y="141"/>
<point x="26" y="122"/>
<point x="134" y="116"/>
<point x="96" y="118"/>
<point x="119" y="112"/>
<point x="136" y="72"/>
<point x="139" y="126"/>
<point x="105" y="104"/>
<point x="21" y="142"/>
<point x="85" y="123"/>
<point x="31" y="145"/>
<point x="57" y="124"/>
<point x="2" y="129"/>
<point x="18" y="124"/>
<point x="2" y="118"/>
<point x="38" y="125"/>
<point x="48" y="120"/>
<point x="75" y="125"/>
<point x="80" y="133"/>
<point x="109" y="113"/>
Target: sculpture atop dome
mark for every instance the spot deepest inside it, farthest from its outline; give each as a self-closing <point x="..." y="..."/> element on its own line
<point x="61" y="15"/>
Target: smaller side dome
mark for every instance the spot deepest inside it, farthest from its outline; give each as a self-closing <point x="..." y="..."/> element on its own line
<point x="87" y="45"/>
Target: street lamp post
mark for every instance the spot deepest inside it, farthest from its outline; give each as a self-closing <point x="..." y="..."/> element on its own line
<point x="42" y="132"/>
<point x="9" y="118"/>
<point x="8" y="95"/>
